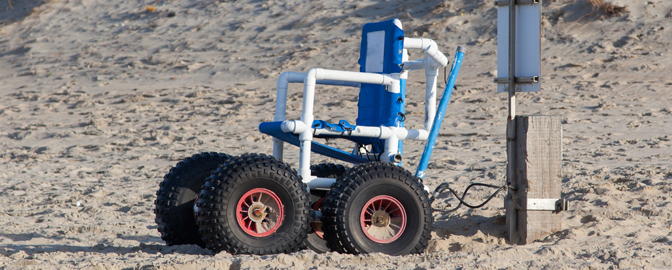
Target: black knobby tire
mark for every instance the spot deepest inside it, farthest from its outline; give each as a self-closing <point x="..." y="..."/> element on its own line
<point x="174" y="204"/>
<point x="327" y="170"/>
<point x="225" y="214"/>
<point x="392" y="190"/>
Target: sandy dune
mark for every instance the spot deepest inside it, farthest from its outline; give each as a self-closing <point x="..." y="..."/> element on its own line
<point x="101" y="98"/>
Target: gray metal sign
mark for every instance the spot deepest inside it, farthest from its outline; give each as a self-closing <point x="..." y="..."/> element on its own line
<point x="527" y="45"/>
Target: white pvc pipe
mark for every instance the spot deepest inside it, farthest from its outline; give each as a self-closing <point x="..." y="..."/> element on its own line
<point x="414" y="64"/>
<point x="381" y="132"/>
<point x="395" y="87"/>
<point x="321" y="183"/>
<point x="430" y="99"/>
<point x="410" y="134"/>
<point x="281" y="105"/>
<point x="278" y="149"/>
<point x="439" y="59"/>
<point x="418" y="43"/>
<point x="434" y="59"/>
<point x="281" y="97"/>
<point x="307" y="117"/>
<point x="294" y="126"/>
<point x="351" y="76"/>
<point x="404" y="59"/>
<point x="397" y="22"/>
<point x="391" y="153"/>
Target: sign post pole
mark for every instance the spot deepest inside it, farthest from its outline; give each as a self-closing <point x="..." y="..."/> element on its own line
<point x="511" y="212"/>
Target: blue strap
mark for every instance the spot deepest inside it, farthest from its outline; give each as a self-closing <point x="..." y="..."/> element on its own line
<point x="342" y="125"/>
<point x="347" y="126"/>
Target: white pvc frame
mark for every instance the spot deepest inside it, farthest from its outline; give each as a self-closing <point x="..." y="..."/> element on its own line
<point x="434" y="59"/>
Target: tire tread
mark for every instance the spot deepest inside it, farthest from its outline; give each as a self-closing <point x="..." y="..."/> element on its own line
<point x="223" y="182"/>
<point x="168" y="218"/>
<point x="334" y="209"/>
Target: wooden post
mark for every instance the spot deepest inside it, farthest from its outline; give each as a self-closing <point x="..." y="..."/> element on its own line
<point x="534" y="203"/>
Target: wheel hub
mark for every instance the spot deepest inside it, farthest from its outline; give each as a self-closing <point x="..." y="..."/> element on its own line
<point x="380" y="219"/>
<point x="257" y="212"/>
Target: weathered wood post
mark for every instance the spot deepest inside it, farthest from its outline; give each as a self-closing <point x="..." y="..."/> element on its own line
<point x="534" y="143"/>
<point x="536" y="202"/>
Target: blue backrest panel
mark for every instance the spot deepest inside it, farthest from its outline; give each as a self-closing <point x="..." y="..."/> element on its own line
<point x="381" y="52"/>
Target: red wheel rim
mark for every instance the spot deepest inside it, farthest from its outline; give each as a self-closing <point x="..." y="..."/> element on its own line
<point x="259" y="212"/>
<point x="196" y="208"/>
<point x="317" y="225"/>
<point x="383" y="219"/>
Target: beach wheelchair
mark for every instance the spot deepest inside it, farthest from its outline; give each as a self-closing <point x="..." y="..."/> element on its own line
<point x="258" y="204"/>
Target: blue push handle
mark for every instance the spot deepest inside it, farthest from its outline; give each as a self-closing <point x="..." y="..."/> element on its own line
<point x="440" y="112"/>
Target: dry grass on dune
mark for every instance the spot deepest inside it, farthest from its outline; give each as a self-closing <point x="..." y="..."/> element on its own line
<point x="607" y="8"/>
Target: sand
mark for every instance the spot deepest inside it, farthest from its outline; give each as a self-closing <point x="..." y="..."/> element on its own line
<point x="101" y="98"/>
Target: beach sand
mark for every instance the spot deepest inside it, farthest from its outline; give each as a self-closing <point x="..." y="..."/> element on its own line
<point x="101" y="98"/>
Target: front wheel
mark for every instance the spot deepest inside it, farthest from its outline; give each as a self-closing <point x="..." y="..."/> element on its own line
<point x="253" y="204"/>
<point x="377" y="207"/>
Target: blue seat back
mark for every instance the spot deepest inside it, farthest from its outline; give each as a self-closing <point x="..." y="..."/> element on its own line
<point x="381" y="52"/>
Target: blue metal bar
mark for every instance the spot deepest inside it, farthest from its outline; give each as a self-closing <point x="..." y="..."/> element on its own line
<point x="440" y="111"/>
<point x="274" y="129"/>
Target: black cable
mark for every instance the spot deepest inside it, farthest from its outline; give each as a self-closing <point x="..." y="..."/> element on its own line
<point x="445" y="74"/>
<point x="369" y="153"/>
<point x="443" y="186"/>
<point x="380" y="144"/>
<point x="360" y="147"/>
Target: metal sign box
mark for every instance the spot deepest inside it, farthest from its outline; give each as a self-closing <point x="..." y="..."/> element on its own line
<point x="528" y="45"/>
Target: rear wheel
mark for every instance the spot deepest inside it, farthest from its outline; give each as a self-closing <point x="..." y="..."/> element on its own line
<point x="253" y="204"/>
<point x="174" y="204"/>
<point x="377" y="207"/>
<point x="315" y="239"/>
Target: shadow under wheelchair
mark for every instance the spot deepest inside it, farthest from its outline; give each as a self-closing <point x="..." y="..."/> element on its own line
<point x="14" y="243"/>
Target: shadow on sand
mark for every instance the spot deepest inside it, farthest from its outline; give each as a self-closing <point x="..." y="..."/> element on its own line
<point x="151" y="247"/>
<point x="15" y="10"/>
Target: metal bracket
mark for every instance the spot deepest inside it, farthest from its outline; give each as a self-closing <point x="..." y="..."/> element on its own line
<point x="532" y="79"/>
<point x="556" y="205"/>
<point x="505" y="3"/>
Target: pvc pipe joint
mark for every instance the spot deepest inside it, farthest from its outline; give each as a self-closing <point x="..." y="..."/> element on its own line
<point x="438" y="58"/>
<point x="395" y="158"/>
<point x="293" y="126"/>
